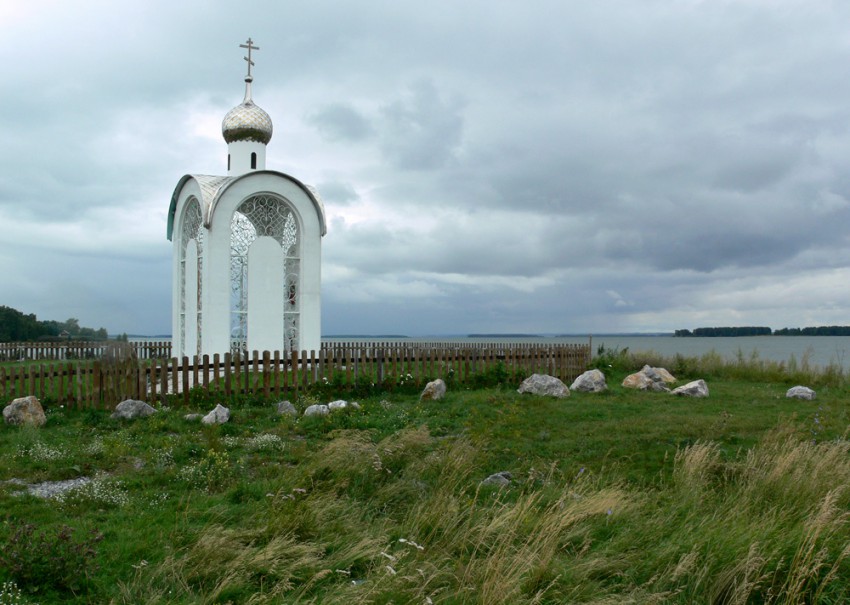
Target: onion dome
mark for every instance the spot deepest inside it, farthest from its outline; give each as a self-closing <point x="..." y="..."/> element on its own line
<point x="246" y="121"/>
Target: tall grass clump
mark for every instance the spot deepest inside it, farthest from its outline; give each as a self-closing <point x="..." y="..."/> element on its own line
<point x="769" y="528"/>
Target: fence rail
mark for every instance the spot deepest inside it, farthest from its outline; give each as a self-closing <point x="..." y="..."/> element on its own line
<point x="104" y="383"/>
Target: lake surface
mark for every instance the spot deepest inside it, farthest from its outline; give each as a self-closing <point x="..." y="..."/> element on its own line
<point x="820" y="350"/>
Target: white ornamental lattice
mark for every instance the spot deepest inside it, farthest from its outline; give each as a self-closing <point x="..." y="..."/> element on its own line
<point x="258" y="216"/>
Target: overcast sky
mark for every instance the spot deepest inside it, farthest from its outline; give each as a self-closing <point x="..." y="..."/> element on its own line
<point x="500" y="166"/>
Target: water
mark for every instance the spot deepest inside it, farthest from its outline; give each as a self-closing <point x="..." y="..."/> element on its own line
<point x="819" y="350"/>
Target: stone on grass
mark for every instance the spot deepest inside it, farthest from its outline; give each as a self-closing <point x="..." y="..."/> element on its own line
<point x="658" y="374"/>
<point x="592" y="381"/>
<point x="25" y="410"/>
<point x="193" y="417"/>
<point x="543" y="384"/>
<point x="317" y="409"/>
<point x="502" y="479"/>
<point x="130" y="409"/>
<point x="286" y="408"/>
<point x="801" y="392"/>
<point x="433" y="391"/>
<point x="218" y="415"/>
<point x="342" y="404"/>
<point x="649" y="379"/>
<point x="697" y="388"/>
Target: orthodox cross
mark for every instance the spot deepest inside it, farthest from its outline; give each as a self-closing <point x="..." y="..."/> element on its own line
<point x="250" y="46"/>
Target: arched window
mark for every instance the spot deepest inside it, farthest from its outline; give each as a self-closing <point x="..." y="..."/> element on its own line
<point x="253" y="160"/>
<point x="192" y="229"/>
<point x="264" y="215"/>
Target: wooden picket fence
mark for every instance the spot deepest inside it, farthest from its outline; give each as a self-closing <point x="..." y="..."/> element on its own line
<point x="104" y="383"/>
<point x="78" y="349"/>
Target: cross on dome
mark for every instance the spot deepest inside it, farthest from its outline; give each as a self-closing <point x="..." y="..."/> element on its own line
<point x="250" y="46"/>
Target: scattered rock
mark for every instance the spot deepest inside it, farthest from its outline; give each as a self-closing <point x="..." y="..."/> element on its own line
<point x="317" y="409"/>
<point x="218" y="415"/>
<point x="502" y="479"/>
<point x="649" y="379"/>
<point x="658" y="374"/>
<point x="193" y="417"/>
<point x="50" y="489"/>
<point x="697" y="388"/>
<point x="341" y="404"/>
<point x="25" y="410"/>
<point x="433" y="391"/>
<point x="542" y="384"/>
<point x="130" y="409"/>
<point x="592" y="381"/>
<point x="286" y="408"/>
<point x="801" y="392"/>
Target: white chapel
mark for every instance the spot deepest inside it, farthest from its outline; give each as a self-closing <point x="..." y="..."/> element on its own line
<point x="246" y="249"/>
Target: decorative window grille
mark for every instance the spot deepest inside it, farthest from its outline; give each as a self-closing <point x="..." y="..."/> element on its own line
<point x="264" y="215"/>
<point x="192" y="228"/>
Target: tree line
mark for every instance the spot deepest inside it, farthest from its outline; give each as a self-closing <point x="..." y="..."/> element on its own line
<point x="764" y="331"/>
<point x="19" y="327"/>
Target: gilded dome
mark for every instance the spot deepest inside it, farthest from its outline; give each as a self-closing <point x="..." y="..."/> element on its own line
<point x="247" y="122"/>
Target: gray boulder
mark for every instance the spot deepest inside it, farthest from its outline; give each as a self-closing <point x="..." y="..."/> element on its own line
<point x="286" y="408"/>
<point x="801" y="392"/>
<point x="697" y="388"/>
<point x="648" y="379"/>
<point x="542" y="384"/>
<point x="218" y="415"/>
<point x="25" y="410"/>
<point x="130" y="409"/>
<point x="433" y="391"/>
<point x="658" y="374"/>
<point x="317" y="409"/>
<point x="592" y="381"/>
<point x="341" y="404"/>
<point x="502" y="479"/>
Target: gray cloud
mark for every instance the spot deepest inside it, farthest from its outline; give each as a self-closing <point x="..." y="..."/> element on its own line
<point x="542" y="167"/>
<point x="340" y="122"/>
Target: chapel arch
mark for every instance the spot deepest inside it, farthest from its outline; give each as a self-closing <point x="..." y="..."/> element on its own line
<point x="191" y="281"/>
<point x="265" y="257"/>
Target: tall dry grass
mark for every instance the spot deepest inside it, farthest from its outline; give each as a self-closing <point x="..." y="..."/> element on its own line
<point x="405" y="520"/>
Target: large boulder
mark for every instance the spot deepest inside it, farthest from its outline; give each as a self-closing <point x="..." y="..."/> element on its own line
<point x="502" y="479"/>
<point x="341" y="404"/>
<point x="658" y="374"/>
<point x="25" y="410"/>
<point x="433" y="391"/>
<point x="592" y="381"/>
<point x="800" y="392"/>
<point x="285" y="408"/>
<point x="317" y="409"/>
<point x="649" y="379"/>
<point x="218" y="415"/>
<point x="697" y="388"/>
<point x="543" y="384"/>
<point x="130" y="409"/>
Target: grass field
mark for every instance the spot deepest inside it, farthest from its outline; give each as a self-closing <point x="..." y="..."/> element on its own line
<point x="620" y="497"/>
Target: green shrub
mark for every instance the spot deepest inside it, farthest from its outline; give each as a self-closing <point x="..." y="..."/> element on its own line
<point x="49" y="559"/>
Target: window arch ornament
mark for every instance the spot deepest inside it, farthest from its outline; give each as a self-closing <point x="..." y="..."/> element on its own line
<point x="259" y="216"/>
<point x="191" y="228"/>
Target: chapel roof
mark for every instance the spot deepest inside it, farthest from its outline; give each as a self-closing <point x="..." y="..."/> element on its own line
<point x="213" y="187"/>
